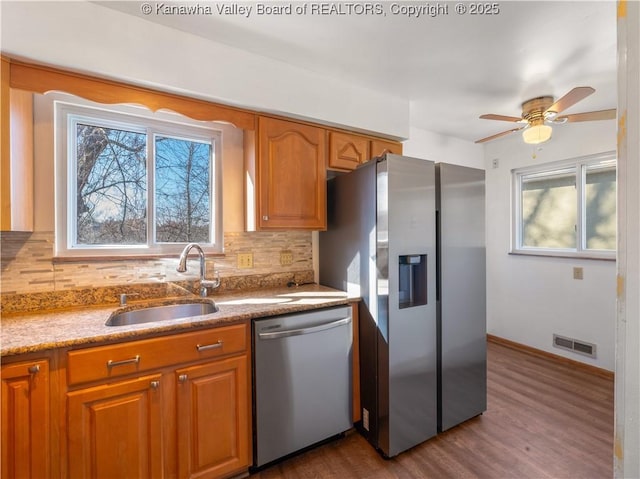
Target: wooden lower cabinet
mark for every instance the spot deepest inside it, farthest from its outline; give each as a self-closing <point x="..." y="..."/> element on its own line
<point x="184" y="419"/>
<point x="26" y="428"/>
<point x="212" y="405"/>
<point x="116" y="430"/>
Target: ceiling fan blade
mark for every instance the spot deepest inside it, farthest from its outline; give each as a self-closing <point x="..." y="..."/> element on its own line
<point x="590" y="116"/>
<point x="498" y="135"/>
<point x="570" y="99"/>
<point x="491" y="116"/>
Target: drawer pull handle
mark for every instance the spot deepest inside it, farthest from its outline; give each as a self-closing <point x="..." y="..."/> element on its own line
<point x="34" y="369"/>
<point x="206" y="347"/>
<point x="113" y="364"/>
<point x="155" y="384"/>
<point x="183" y="378"/>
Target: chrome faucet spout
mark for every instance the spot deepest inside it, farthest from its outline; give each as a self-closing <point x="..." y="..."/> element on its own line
<point x="182" y="261"/>
<point x="182" y="267"/>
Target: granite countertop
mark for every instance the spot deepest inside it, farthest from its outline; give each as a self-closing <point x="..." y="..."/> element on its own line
<point x="31" y="332"/>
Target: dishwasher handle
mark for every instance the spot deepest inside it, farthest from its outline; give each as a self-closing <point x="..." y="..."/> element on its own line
<point x="296" y="332"/>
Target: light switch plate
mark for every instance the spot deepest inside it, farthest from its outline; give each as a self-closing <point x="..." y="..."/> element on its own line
<point x="245" y="260"/>
<point x="577" y="273"/>
<point x="286" y="257"/>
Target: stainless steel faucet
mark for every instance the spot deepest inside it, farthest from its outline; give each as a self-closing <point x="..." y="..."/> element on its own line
<point x="182" y="267"/>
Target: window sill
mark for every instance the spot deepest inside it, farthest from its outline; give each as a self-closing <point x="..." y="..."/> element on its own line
<point x="111" y="258"/>
<point x="566" y="254"/>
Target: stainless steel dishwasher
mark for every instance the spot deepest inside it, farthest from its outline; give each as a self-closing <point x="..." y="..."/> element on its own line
<point x="302" y="380"/>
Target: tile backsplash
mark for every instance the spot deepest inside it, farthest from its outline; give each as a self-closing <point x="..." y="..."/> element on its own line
<point x="28" y="265"/>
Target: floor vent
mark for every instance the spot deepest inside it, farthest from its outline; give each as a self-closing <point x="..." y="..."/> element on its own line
<point x="570" y="344"/>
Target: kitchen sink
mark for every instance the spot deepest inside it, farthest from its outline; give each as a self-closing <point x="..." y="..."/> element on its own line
<point x="161" y="313"/>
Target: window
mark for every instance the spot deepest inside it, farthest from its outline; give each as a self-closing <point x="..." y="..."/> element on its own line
<point x="133" y="182"/>
<point x="566" y="208"/>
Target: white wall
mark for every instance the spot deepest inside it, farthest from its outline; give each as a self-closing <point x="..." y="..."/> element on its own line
<point x="440" y="148"/>
<point x="91" y="38"/>
<point x="530" y="298"/>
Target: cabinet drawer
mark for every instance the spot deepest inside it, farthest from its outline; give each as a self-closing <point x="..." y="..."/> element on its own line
<point x="114" y="360"/>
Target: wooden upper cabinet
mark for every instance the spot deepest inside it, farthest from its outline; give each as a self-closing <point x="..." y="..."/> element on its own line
<point x="16" y="146"/>
<point x="290" y="176"/>
<point x="347" y="151"/>
<point x="380" y="147"/>
<point x="25" y="420"/>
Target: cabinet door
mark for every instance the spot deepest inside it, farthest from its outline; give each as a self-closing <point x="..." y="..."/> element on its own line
<point x="25" y="420"/>
<point x="213" y="418"/>
<point x="380" y="147"/>
<point x="347" y="151"/>
<point x="291" y="176"/>
<point x="115" y="430"/>
<point x="16" y="159"/>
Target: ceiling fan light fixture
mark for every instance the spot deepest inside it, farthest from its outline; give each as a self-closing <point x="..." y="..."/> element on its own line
<point x="537" y="134"/>
<point x="537" y="111"/>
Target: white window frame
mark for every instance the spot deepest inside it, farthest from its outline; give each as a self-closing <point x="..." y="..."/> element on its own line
<point x="132" y="118"/>
<point x="579" y="165"/>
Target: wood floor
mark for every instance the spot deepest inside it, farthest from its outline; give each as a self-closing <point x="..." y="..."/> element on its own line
<point x="544" y="420"/>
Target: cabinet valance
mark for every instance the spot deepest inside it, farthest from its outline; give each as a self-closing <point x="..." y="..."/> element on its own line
<point x="41" y="79"/>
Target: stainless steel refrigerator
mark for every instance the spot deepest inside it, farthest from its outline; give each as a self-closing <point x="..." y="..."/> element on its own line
<point x="381" y="244"/>
<point x="462" y="330"/>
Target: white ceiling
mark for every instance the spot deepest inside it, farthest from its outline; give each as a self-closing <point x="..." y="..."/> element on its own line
<point x="452" y="67"/>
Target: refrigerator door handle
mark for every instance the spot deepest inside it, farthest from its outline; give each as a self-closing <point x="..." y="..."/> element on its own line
<point x="298" y="332"/>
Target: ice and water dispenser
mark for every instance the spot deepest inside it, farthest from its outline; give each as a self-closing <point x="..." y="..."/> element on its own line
<point x="412" y="282"/>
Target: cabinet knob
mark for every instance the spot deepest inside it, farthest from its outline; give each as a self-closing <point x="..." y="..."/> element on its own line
<point x="34" y="369"/>
<point x="154" y="384"/>
<point x="182" y="378"/>
<point x="265" y="218"/>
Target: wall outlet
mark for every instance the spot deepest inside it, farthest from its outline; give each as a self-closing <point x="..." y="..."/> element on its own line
<point x="577" y="273"/>
<point x="495" y="163"/>
<point x="286" y="257"/>
<point x="245" y="260"/>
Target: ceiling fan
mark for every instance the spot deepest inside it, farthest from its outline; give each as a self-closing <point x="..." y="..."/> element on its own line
<point x="539" y="113"/>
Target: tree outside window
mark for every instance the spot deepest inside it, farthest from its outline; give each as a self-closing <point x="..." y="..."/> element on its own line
<point x="138" y="184"/>
<point x="567" y="208"/>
